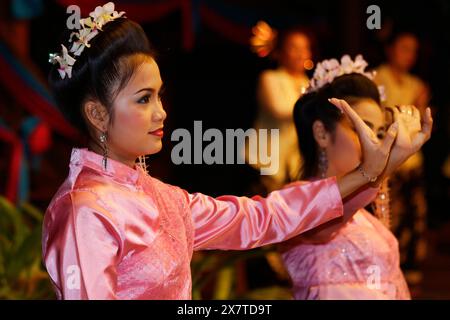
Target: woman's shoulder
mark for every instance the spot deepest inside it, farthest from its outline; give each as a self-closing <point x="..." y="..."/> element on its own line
<point x="174" y="197"/>
<point x="415" y="82"/>
<point x="84" y="192"/>
<point x="167" y="190"/>
<point x="72" y="201"/>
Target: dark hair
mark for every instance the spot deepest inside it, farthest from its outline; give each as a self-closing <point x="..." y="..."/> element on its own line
<point x="283" y="35"/>
<point x="315" y="106"/>
<point x="396" y="34"/>
<point x="102" y="70"/>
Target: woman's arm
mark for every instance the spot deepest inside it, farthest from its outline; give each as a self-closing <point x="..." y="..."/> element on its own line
<point x="236" y="223"/>
<point x="81" y="248"/>
<point x="230" y="222"/>
<point x="326" y="232"/>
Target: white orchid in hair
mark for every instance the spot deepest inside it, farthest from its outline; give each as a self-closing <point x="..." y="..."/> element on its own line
<point x="90" y="27"/>
<point x="84" y="36"/>
<point x="104" y="14"/>
<point x="65" y="62"/>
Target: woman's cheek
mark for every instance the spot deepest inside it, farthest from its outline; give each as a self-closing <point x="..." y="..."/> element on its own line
<point x="130" y="129"/>
<point x="133" y="121"/>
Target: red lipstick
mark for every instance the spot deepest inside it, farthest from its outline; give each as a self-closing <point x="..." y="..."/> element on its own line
<point x="159" y="132"/>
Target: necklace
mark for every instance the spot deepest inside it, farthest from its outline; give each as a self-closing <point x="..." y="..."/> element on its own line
<point x="381" y="205"/>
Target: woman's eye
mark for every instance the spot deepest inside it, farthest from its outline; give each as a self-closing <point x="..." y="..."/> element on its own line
<point x="145" y="99"/>
<point x="380" y="134"/>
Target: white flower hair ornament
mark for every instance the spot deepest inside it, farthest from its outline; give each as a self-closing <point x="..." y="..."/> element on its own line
<point x="65" y="62"/>
<point x="90" y="27"/>
<point x="328" y="70"/>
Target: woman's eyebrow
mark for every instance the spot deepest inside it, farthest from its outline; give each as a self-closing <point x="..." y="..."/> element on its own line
<point x="150" y="89"/>
<point x="145" y="89"/>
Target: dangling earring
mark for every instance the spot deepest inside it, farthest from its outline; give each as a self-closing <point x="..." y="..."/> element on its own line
<point x="323" y="163"/>
<point x="105" y="150"/>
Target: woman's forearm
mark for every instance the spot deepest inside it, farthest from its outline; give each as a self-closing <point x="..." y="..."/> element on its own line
<point x="357" y="195"/>
<point x="350" y="182"/>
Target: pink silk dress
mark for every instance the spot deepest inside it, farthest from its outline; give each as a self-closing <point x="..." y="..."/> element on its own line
<point x="360" y="262"/>
<point x="121" y="234"/>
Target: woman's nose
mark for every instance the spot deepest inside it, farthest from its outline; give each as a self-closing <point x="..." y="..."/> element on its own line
<point x="159" y="115"/>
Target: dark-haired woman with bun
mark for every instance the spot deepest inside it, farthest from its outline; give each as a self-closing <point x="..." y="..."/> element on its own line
<point x="356" y="258"/>
<point x="114" y="232"/>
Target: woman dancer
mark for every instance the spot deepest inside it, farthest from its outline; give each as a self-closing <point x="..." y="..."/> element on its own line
<point x="114" y="232"/>
<point x="358" y="259"/>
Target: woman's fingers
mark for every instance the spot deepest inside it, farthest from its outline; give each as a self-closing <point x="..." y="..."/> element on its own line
<point x="427" y="125"/>
<point x="402" y="108"/>
<point x="409" y="117"/>
<point x="416" y="118"/>
<point x="337" y="103"/>
<point x="360" y="126"/>
<point x="389" y="139"/>
<point x="375" y="153"/>
<point x="396" y="111"/>
<point x="416" y="112"/>
<point x="406" y="109"/>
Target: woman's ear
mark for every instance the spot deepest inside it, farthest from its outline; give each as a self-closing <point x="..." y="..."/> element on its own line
<point x="321" y="135"/>
<point x="97" y="115"/>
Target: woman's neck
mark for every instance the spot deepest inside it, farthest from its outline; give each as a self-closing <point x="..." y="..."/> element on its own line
<point x="296" y="74"/>
<point x="397" y="72"/>
<point x="128" y="161"/>
<point x="332" y="172"/>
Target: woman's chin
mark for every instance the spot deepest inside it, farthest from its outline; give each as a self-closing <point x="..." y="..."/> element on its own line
<point x="154" y="148"/>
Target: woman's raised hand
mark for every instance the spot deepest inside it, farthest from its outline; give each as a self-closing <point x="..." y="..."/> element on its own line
<point x="375" y="152"/>
<point x="412" y="134"/>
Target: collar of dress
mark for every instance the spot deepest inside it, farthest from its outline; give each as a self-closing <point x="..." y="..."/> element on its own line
<point x="115" y="169"/>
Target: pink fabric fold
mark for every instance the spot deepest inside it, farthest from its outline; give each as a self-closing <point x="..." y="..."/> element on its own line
<point x="361" y="261"/>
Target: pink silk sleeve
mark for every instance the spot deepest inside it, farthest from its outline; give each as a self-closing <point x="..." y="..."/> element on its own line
<point x="359" y="200"/>
<point x="327" y="232"/>
<point x="234" y="223"/>
<point x="81" y="256"/>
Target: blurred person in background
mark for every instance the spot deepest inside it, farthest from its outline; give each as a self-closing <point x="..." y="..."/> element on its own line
<point x="278" y="90"/>
<point x="409" y="208"/>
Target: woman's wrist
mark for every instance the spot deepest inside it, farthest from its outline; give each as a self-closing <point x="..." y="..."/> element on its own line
<point x="350" y="182"/>
<point x="370" y="177"/>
